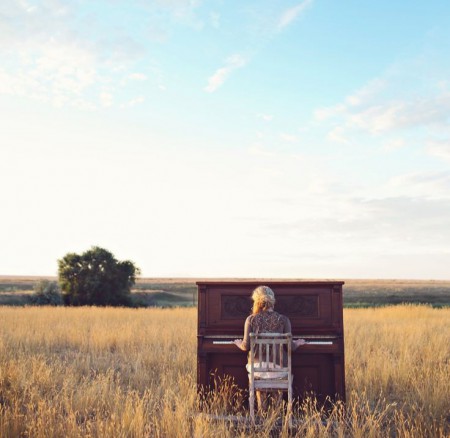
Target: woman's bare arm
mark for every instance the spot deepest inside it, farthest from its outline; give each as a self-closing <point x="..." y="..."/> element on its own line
<point x="244" y="344"/>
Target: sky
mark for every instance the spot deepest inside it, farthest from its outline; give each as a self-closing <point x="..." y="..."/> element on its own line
<point x="273" y="139"/>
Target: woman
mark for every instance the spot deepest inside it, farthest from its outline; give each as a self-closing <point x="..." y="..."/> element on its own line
<point x="264" y="319"/>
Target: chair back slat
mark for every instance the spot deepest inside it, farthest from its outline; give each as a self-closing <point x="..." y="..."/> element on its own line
<point x="270" y="349"/>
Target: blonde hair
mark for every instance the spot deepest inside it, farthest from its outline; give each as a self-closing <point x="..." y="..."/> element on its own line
<point x="263" y="299"/>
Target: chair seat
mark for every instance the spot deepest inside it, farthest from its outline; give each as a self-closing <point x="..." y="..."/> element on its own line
<point x="271" y="384"/>
<point x="266" y="374"/>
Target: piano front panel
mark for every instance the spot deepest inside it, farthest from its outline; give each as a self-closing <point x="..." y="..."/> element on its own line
<point x="313" y="371"/>
<point x="226" y="364"/>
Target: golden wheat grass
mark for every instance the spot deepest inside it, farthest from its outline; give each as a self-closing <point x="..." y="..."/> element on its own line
<point x="103" y="372"/>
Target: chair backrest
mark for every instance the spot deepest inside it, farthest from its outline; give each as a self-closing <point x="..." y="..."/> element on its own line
<point x="268" y="352"/>
<point x="268" y="371"/>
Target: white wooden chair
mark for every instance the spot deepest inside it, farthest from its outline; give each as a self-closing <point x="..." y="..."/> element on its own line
<point x="266" y="371"/>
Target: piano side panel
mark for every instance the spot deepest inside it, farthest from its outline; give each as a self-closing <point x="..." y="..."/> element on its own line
<point x="339" y="375"/>
<point x="201" y="309"/>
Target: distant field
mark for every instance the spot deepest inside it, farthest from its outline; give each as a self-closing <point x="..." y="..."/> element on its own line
<point x="373" y="293"/>
<point x="176" y="292"/>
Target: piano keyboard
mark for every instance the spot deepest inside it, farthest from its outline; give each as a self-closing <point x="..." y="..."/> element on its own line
<point x="307" y="343"/>
<point x="319" y="343"/>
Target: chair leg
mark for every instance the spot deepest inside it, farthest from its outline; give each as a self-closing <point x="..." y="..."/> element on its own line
<point x="289" y="406"/>
<point x="252" y="405"/>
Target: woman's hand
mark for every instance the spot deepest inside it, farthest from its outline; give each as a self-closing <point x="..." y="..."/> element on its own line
<point x="238" y="343"/>
<point x="298" y="342"/>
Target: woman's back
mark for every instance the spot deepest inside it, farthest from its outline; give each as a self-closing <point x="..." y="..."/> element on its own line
<point x="268" y="322"/>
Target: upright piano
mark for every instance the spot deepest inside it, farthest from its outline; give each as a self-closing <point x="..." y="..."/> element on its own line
<point x="315" y="311"/>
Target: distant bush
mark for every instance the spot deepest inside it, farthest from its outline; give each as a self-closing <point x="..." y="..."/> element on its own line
<point x="47" y="293"/>
<point x="96" y="278"/>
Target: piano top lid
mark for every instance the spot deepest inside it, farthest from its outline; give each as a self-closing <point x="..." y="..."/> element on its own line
<point x="273" y="282"/>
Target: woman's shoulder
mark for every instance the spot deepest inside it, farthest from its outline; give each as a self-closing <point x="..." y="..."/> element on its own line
<point x="249" y="319"/>
<point x="282" y="317"/>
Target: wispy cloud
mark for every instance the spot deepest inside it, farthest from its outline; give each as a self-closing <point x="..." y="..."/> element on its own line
<point x="54" y="72"/>
<point x="337" y="135"/>
<point x="387" y="108"/>
<point x="368" y="224"/>
<point x="290" y="15"/>
<point x="439" y="148"/>
<point x="47" y="53"/>
<point x="402" y="114"/>
<point x="221" y="75"/>
<point x="287" y="17"/>
<point x="265" y="117"/>
<point x="425" y="184"/>
<point x="288" y="138"/>
<point x="133" y="102"/>
<point x="137" y="77"/>
<point x="393" y="144"/>
<point x="106" y="99"/>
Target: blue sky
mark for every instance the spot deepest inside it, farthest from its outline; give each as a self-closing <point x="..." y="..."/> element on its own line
<point x="301" y="139"/>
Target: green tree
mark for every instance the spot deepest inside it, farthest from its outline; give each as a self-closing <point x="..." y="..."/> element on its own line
<point x="96" y="278"/>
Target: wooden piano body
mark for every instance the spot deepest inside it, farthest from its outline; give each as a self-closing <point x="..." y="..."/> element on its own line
<point x="315" y="311"/>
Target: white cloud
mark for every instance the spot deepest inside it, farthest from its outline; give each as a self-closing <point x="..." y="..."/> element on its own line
<point x="439" y="148"/>
<point x="291" y="14"/>
<point x="321" y="114"/>
<point x="52" y="72"/>
<point x="221" y="75"/>
<point x="133" y="102"/>
<point x="106" y="99"/>
<point x="426" y="185"/>
<point x="386" y="107"/>
<point x="393" y="144"/>
<point x="364" y="94"/>
<point x="402" y="114"/>
<point x="393" y="225"/>
<point x="137" y="77"/>
<point x="288" y="138"/>
<point x="338" y="135"/>
<point x="265" y="117"/>
<point x="47" y="55"/>
<point x="257" y="149"/>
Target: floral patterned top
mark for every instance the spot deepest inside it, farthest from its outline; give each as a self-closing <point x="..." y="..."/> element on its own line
<point x="265" y="322"/>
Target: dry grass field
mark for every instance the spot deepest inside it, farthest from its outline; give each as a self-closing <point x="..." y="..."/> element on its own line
<point x="104" y="372"/>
